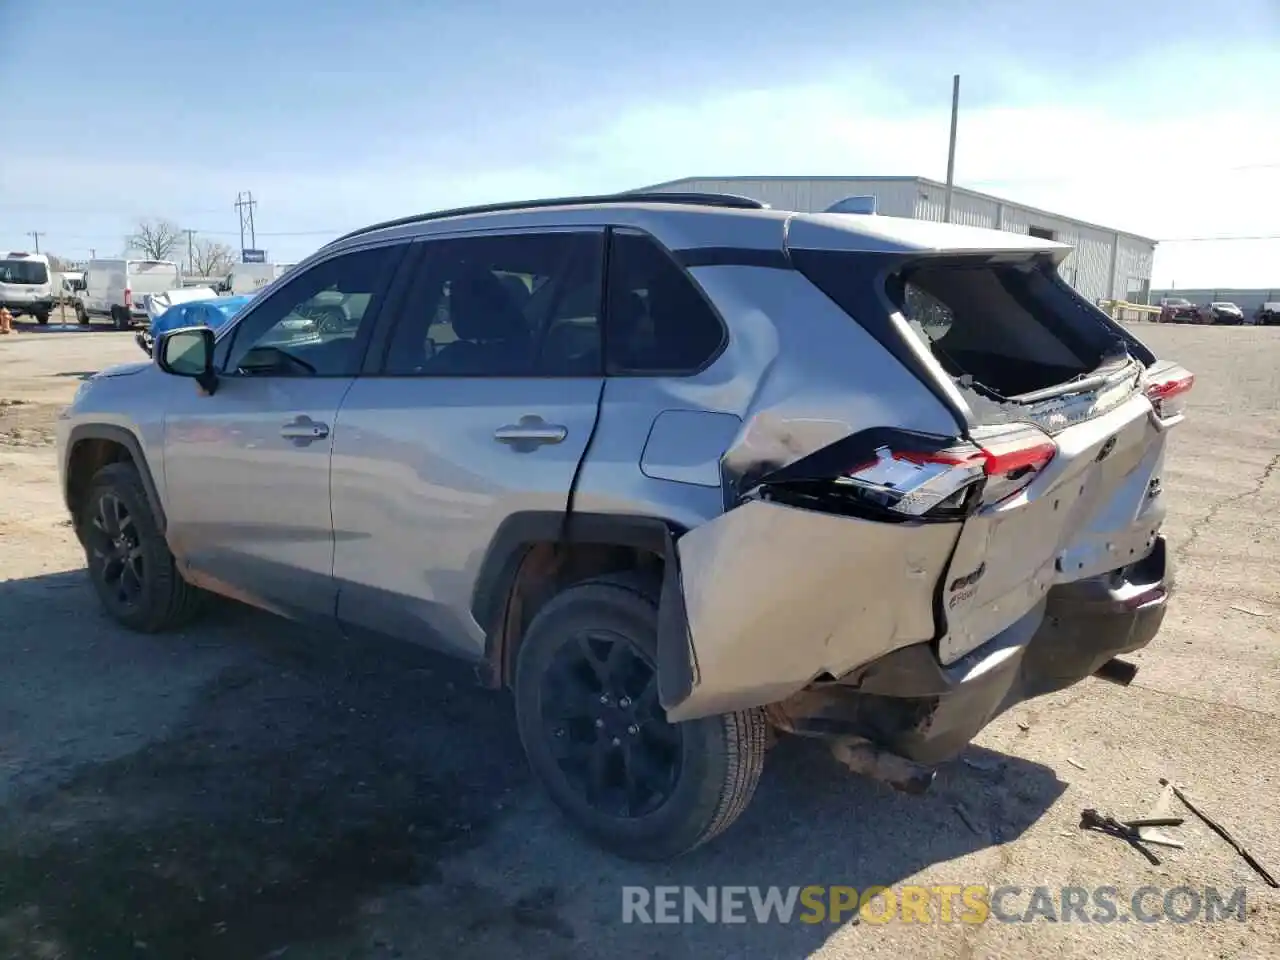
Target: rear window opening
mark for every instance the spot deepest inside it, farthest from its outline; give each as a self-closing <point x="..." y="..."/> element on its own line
<point x="1006" y="329"/>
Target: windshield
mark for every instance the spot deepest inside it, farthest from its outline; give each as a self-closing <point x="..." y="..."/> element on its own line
<point x="23" y="271"/>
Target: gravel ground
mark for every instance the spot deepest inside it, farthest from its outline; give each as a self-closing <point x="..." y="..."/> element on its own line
<point x="246" y="790"/>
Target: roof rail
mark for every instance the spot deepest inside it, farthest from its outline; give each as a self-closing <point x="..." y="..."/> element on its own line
<point x="728" y="200"/>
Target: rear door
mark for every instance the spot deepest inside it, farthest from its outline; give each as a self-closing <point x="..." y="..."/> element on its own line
<point x="478" y="406"/>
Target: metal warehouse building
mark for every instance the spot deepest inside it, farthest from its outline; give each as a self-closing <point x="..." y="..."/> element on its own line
<point x="1104" y="264"/>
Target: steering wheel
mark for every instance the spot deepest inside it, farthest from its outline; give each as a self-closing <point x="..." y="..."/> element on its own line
<point x="330" y="318"/>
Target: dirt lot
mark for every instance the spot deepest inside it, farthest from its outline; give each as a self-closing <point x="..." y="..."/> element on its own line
<point x="246" y="791"/>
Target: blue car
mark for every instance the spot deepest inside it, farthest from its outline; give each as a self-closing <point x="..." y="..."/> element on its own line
<point x="215" y="313"/>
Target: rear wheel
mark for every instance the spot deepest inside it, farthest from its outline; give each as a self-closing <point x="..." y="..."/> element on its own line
<point x="119" y="318"/>
<point x="129" y="562"/>
<point x="587" y="708"/>
<point x="42" y="318"/>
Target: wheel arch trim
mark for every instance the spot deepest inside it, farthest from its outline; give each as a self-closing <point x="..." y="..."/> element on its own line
<point x="518" y="533"/>
<point x="129" y="441"/>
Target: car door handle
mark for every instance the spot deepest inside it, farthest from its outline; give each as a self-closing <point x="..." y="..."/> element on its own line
<point x="304" y="428"/>
<point x="529" y="433"/>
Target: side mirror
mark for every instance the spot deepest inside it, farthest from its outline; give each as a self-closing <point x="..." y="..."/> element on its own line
<point x="188" y="352"/>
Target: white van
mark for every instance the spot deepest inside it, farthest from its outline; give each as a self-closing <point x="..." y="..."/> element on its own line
<point x="118" y="289"/>
<point x="26" y="285"/>
<point x="250" y="277"/>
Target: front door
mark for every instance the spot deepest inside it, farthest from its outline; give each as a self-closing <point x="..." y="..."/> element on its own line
<point x="482" y="409"/>
<point x="247" y="469"/>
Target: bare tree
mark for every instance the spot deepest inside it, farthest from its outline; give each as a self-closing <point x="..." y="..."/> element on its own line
<point x="154" y="239"/>
<point x="211" y="259"/>
<point x="58" y="264"/>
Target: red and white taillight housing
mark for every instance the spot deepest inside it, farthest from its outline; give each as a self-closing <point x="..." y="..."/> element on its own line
<point x="1167" y="387"/>
<point x="128" y="299"/>
<point x="910" y="480"/>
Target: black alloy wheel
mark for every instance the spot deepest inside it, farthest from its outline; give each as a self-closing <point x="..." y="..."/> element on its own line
<point x="608" y="734"/>
<point x="116" y="553"/>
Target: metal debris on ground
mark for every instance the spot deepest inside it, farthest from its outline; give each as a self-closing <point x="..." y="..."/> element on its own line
<point x="1222" y="831"/>
<point x="1160" y="809"/>
<point x="1077" y="764"/>
<point x="1091" y="819"/>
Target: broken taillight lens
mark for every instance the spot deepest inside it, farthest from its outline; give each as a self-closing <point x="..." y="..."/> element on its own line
<point x="1167" y="389"/>
<point x="916" y="482"/>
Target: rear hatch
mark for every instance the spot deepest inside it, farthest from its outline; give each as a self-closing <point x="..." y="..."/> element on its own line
<point x="24" y="280"/>
<point x="1061" y="417"/>
<point x="150" y="277"/>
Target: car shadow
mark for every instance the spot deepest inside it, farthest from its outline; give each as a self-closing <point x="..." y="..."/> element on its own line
<point x="300" y="777"/>
<point x="78" y="374"/>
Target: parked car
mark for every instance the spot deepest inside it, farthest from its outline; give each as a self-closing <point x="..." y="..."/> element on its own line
<point x="205" y="309"/>
<point x="1179" y="310"/>
<point x="1224" y="313"/>
<point x="1268" y="314"/>
<point x="675" y="468"/>
<point x="26" y="285"/>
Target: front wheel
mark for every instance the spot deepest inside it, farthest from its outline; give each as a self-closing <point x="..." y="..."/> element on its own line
<point x="129" y="562"/>
<point x="82" y="316"/>
<point x="586" y="693"/>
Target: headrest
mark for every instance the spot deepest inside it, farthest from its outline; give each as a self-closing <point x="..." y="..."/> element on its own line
<point x="481" y="308"/>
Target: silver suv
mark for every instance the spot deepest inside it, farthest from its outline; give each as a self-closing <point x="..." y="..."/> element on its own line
<point x="680" y="470"/>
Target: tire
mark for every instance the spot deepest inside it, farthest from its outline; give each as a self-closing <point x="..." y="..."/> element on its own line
<point x="119" y="318"/>
<point x="82" y="317"/>
<point x="153" y="597"/>
<point x="42" y="318"/>
<point x="708" y="768"/>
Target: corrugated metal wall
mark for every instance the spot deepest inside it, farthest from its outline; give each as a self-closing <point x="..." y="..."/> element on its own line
<point x="1088" y="267"/>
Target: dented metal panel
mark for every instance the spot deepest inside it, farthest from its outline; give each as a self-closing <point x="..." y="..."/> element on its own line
<point x="1089" y="512"/>
<point x="777" y="595"/>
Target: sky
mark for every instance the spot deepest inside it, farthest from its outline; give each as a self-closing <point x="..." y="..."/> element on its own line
<point x="1159" y="118"/>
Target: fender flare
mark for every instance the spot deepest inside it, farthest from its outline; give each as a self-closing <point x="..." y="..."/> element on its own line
<point x="677" y="666"/>
<point x="126" y="439"/>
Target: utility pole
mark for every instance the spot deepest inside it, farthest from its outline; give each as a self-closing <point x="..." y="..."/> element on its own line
<point x="951" y="148"/>
<point x="191" y="262"/>
<point x="36" y="234"/>
<point x="244" y="206"/>
<point x="93" y="253"/>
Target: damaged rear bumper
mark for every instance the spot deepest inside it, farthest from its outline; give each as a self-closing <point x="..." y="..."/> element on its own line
<point x="909" y="705"/>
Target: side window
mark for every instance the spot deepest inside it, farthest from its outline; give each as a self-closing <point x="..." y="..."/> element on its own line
<point x="659" y="323"/>
<point x="316" y="324"/>
<point x="512" y="305"/>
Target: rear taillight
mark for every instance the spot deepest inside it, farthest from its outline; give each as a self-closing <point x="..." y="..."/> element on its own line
<point x="128" y="297"/>
<point x="916" y="482"/>
<point x="1167" y="389"/>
